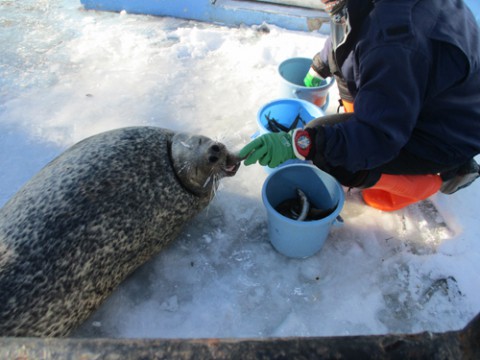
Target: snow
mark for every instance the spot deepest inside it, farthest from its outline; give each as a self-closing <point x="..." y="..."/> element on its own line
<point x="66" y="73"/>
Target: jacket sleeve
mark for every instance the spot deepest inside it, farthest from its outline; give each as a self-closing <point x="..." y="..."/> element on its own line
<point x="391" y="81"/>
<point x="320" y="60"/>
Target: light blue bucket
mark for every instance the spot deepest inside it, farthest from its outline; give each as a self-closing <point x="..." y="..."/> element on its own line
<point x="293" y="71"/>
<point x="285" y="112"/>
<point x="301" y="239"/>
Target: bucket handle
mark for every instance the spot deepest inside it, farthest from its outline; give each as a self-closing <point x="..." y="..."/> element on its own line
<point x="298" y="92"/>
<point x="338" y="222"/>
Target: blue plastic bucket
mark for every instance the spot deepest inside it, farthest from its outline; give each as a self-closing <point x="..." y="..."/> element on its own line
<point x="293" y="71"/>
<point x="301" y="239"/>
<point x="285" y="112"/>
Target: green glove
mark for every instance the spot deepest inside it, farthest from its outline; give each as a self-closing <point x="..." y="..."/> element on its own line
<point x="270" y="149"/>
<point x="313" y="79"/>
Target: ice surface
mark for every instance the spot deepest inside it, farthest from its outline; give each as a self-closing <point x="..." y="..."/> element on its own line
<point x="66" y="74"/>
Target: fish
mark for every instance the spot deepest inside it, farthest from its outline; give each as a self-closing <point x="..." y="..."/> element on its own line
<point x="301" y="209"/>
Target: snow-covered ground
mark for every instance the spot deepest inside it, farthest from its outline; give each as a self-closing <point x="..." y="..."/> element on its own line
<point x="66" y="73"/>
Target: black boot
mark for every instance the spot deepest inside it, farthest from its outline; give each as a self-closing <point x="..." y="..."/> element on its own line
<point x="460" y="177"/>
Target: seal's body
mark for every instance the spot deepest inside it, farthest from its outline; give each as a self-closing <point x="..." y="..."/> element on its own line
<point x="92" y="216"/>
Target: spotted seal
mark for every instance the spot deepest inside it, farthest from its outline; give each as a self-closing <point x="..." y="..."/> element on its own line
<point x="92" y="216"/>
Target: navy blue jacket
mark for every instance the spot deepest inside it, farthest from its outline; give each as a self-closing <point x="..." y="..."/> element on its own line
<point x="413" y="70"/>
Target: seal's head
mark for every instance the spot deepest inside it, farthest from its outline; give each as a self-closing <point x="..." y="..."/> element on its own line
<point x="199" y="162"/>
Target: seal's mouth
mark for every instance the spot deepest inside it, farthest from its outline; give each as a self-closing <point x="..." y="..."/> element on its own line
<point x="232" y="164"/>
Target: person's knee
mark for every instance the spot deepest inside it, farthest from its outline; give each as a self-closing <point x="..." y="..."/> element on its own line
<point x="360" y="179"/>
<point x="329" y="120"/>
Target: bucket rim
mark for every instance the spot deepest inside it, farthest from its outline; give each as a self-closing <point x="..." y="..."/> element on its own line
<point x="305" y="103"/>
<point x="276" y="214"/>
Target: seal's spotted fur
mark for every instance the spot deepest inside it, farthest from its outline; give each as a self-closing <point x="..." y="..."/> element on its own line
<point x="88" y="219"/>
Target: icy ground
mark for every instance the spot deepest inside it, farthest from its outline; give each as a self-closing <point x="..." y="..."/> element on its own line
<point x="66" y="74"/>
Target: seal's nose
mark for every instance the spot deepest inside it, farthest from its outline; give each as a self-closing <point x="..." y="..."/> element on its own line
<point x="214" y="153"/>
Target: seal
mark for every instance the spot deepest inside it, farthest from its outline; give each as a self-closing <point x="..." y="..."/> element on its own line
<point x="94" y="214"/>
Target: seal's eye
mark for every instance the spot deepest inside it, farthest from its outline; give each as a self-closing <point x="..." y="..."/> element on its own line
<point x="215" y="148"/>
